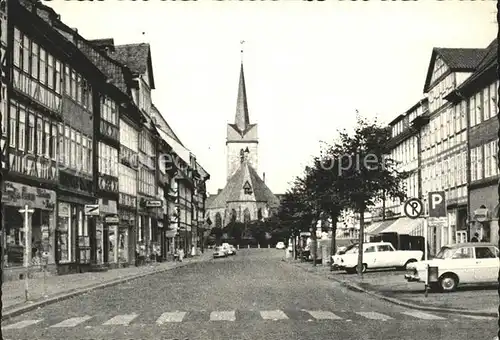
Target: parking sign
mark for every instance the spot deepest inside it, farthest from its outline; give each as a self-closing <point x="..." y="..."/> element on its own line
<point x="437" y="204"/>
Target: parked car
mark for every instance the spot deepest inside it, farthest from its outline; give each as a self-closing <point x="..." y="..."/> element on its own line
<point x="280" y="245"/>
<point x="351" y="249"/>
<point x="233" y="249"/>
<point x="379" y="255"/>
<point x="219" y="252"/>
<point x="459" y="264"/>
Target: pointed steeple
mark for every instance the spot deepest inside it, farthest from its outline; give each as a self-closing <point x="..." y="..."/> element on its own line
<point x="241" y="119"/>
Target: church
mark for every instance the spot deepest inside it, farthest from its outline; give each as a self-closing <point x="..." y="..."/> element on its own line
<point x="245" y="197"/>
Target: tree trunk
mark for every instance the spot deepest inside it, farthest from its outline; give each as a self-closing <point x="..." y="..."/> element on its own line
<point x="314" y="244"/>
<point x="361" y="240"/>
<point x="333" y="241"/>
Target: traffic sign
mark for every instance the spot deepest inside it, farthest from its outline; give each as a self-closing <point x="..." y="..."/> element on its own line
<point x="154" y="204"/>
<point x="413" y="208"/>
<point x="112" y="219"/>
<point x="437" y="204"/>
<point x="481" y="214"/>
<point x="91" y="209"/>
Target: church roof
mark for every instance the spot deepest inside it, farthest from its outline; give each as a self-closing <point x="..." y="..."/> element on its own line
<point x="234" y="191"/>
<point x="242" y="118"/>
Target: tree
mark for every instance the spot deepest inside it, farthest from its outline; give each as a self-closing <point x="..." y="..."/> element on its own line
<point x="366" y="172"/>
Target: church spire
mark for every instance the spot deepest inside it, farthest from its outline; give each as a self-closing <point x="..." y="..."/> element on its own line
<point x="241" y="118"/>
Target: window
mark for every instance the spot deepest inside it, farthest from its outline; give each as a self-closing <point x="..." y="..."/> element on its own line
<point x="67" y="80"/>
<point x="57" y="77"/>
<point x="463" y="253"/>
<point x="64" y="228"/>
<point x="26" y="54"/>
<point x="53" y="148"/>
<point x="78" y="146"/>
<point x="39" y="135"/>
<point x="78" y="92"/>
<point x="73" y="148"/>
<point x="22" y="128"/>
<point x="89" y="155"/>
<point x="485" y="253"/>
<point x="34" y="60"/>
<point x="43" y="66"/>
<point x="73" y="84"/>
<point x="485" y="106"/>
<point x="46" y="139"/>
<point x="50" y="71"/>
<point x="67" y="146"/>
<point x="493" y="93"/>
<point x="18" y="48"/>
<point x="370" y="249"/>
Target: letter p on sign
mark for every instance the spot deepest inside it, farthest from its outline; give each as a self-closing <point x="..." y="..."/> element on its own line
<point x="437" y="204"/>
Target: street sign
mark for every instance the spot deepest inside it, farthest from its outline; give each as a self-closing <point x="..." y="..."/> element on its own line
<point x="154" y="204"/>
<point x="437" y="204"/>
<point x="91" y="209"/>
<point x="481" y="214"/>
<point x="112" y="219"/>
<point x="413" y="208"/>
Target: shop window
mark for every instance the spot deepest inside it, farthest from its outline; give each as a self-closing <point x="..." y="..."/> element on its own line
<point x="64" y="233"/>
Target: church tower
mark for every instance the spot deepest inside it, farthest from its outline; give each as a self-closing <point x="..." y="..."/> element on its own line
<point x="242" y="138"/>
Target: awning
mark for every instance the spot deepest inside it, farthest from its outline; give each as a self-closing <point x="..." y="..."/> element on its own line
<point x="381" y="227"/>
<point x="403" y="226"/>
<point x="181" y="151"/>
<point x="372" y="226"/>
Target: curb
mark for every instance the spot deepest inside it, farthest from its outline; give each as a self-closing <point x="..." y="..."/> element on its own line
<point x="16" y="311"/>
<point x="356" y="288"/>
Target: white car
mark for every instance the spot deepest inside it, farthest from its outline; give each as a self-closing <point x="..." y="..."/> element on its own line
<point x="379" y="255"/>
<point x="219" y="252"/>
<point x="457" y="264"/>
<point x="351" y="249"/>
<point x="280" y="245"/>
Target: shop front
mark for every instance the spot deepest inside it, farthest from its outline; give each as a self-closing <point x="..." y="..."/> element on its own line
<point x="72" y="237"/>
<point x="36" y="244"/>
<point x="123" y="238"/>
<point x="484" y="214"/>
<point x="103" y="248"/>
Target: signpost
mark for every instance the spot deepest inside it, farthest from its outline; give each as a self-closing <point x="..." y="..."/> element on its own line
<point x="26" y="211"/>
<point x="437" y="204"/>
<point x="91" y="209"/>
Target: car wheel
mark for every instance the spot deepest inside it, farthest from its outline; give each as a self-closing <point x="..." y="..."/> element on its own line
<point x="448" y="283"/>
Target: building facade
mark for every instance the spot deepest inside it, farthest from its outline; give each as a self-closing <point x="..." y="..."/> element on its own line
<point x="478" y="96"/>
<point x="76" y="132"/>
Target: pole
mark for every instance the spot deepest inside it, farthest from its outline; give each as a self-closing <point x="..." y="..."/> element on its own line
<point x="361" y="240"/>
<point x="27" y="247"/>
<point x="426" y="230"/>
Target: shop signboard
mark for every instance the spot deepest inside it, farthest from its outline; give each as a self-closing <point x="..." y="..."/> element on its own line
<point x="20" y="195"/>
<point x="153" y="204"/>
<point x="112" y="219"/>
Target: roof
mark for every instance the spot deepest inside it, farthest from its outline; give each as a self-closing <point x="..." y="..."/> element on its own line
<point x="488" y="62"/>
<point x="137" y="57"/>
<point x="471" y="244"/>
<point x="242" y="119"/>
<point x="234" y="192"/>
<point x="165" y="126"/>
<point x="457" y="59"/>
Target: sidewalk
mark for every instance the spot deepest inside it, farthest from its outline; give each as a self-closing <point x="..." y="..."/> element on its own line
<point x="65" y="286"/>
<point x="391" y="286"/>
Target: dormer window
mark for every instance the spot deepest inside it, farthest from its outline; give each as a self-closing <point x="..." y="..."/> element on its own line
<point x="247" y="188"/>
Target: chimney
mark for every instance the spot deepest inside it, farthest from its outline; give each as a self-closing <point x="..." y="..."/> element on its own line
<point x="264" y="177"/>
<point x="219" y="191"/>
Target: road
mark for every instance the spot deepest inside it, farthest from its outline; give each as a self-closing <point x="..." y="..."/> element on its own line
<point x="253" y="295"/>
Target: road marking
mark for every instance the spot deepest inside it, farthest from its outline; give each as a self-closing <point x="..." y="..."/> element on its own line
<point x="423" y="316"/>
<point x="479" y="317"/>
<point x="124" y="319"/>
<point x="21" y="324"/>
<point x="374" y="315"/>
<point x="273" y="315"/>
<point x="72" y="322"/>
<point x="323" y="315"/>
<point x="223" y="316"/>
<point x="171" y="317"/>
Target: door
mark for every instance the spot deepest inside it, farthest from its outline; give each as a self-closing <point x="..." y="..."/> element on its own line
<point x="370" y="256"/>
<point x="463" y="264"/>
<point x="385" y="256"/>
<point x="487" y="264"/>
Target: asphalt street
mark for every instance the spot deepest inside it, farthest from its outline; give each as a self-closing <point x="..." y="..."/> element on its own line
<point x="253" y="295"/>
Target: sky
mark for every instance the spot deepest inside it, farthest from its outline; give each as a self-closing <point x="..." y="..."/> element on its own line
<point x="308" y="65"/>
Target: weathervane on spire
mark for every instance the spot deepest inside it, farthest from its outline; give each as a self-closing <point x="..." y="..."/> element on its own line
<point x="241" y="43"/>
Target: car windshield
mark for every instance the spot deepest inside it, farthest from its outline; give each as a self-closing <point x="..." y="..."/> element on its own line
<point x="444" y="253"/>
<point x="352" y="250"/>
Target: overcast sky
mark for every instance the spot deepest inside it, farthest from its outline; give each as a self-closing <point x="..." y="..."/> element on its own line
<point x="308" y="65"/>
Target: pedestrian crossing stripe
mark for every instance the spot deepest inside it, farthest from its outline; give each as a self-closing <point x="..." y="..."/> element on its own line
<point x="231" y="316"/>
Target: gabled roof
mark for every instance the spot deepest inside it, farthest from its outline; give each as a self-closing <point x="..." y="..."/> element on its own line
<point x="165" y="126"/>
<point x="457" y="59"/>
<point x="485" y="71"/>
<point x="234" y="192"/>
<point x="137" y="57"/>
